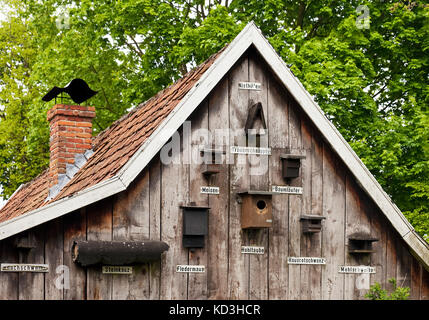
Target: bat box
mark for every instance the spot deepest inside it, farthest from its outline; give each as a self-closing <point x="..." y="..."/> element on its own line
<point x="256" y="209"/>
<point x="195" y="226"/>
<point x="290" y="165"/>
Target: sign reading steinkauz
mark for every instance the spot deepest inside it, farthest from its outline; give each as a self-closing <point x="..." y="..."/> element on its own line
<point x="15" y="267"/>
<point x="117" y="270"/>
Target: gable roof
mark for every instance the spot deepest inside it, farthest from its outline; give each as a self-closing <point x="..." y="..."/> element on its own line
<point x="112" y="148"/>
<point x="166" y="112"/>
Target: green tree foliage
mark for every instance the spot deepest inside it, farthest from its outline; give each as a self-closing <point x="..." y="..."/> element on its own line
<point x="377" y="293"/>
<point x="23" y="151"/>
<point x="371" y="82"/>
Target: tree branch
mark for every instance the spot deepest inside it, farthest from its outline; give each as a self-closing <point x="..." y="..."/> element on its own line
<point x="137" y="46"/>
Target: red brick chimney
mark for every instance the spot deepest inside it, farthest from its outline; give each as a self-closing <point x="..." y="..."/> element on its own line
<point x="71" y="132"/>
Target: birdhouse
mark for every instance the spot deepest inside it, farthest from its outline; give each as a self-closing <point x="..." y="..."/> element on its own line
<point x="195" y="226"/>
<point x="291" y="164"/>
<point x="212" y="161"/>
<point x="361" y="243"/>
<point x="311" y="223"/>
<point x="256" y="209"/>
<point x="255" y="126"/>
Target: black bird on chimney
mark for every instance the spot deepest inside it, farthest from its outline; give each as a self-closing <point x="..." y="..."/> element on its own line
<point x="77" y="89"/>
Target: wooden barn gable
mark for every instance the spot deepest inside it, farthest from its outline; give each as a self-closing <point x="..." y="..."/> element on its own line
<point x="127" y="154"/>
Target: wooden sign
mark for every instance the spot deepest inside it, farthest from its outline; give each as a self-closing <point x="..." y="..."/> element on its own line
<point x="209" y="190"/>
<point x="117" y="270"/>
<point x="16" y="267"/>
<point x="190" y="268"/>
<point x="287" y="189"/>
<point x="306" y="260"/>
<point x="249" y="86"/>
<point x="252" y="250"/>
<point x="250" y="150"/>
<point x="356" y="269"/>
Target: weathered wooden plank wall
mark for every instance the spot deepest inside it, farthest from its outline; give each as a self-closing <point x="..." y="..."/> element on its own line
<point x="174" y="192"/>
<point x="131" y="221"/>
<point x="99" y="227"/>
<point x="217" y="251"/>
<point x="278" y="249"/>
<point x="31" y="285"/>
<point x="238" y="281"/>
<point x="197" y="282"/>
<point x="150" y="209"/>
<point x="9" y="280"/>
<point x="54" y="256"/>
<point x="259" y="167"/>
<point x="155" y="224"/>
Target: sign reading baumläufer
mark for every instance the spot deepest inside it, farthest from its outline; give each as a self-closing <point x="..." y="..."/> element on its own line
<point x="249" y="85"/>
<point x="306" y="260"/>
<point x="190" y="268"/>
<point x="251" y="150"/>
<point x="356" y="269"/>
<point x="209" y="190"/>
<point x="287" y="189"/>
<point x="252" y="250"/>
<point x="16" y="267"/>
<point x="117" y="270"/>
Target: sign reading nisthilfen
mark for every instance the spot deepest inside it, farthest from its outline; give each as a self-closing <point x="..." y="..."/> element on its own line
<point x="191" y="269"/>
<point x="305" y="260"/>
<point x="251" y="150"/>
<point x="356" y="269"/>
<point x="14" y="267"/>
<point x="249" y="85"/>
<point x="252" y="250"/>
<point x="209" y="190"/>
<point x="287" y="189"/>
<point x="117" y="270"/>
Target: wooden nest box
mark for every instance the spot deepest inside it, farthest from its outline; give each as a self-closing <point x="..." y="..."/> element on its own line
<point x="212" y="161"/>
<point x="361" y="243"/>
<point x="256" y="209"/>
<point x="311" y="223"/>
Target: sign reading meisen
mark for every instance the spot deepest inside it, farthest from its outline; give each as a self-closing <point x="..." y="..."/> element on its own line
<point x="305" y="260"/>
<point x="356" y="269"/>
<point x="14" y="267"/>
<point x="209" y="190"/>
<point x="249" y="86"/>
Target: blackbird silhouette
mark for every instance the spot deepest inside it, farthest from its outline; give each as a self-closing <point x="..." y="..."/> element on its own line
<point x="77" y="89"/>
